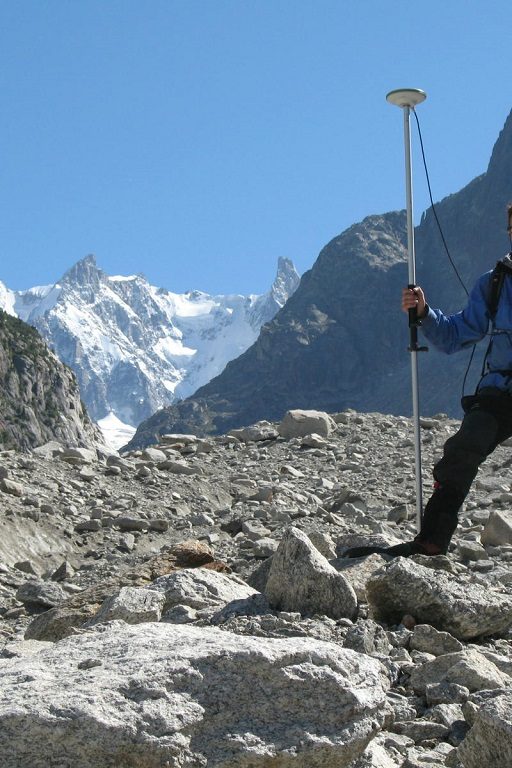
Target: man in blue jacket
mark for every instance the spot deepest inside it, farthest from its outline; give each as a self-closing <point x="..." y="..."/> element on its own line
<point x="488" y="413"/>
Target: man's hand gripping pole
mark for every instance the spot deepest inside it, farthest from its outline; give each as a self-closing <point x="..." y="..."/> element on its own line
<point x="414" y="322"/>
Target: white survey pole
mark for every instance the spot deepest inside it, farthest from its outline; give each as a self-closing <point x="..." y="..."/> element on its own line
<point x="407" y="99"/>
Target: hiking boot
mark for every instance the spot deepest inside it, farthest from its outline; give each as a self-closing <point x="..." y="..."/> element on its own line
<point x="406" y="549"/>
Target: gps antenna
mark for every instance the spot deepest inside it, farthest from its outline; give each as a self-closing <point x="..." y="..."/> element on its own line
<point x="407" y="99"/>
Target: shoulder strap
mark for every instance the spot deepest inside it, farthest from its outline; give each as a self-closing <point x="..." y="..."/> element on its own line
<point x="497" y="278"/>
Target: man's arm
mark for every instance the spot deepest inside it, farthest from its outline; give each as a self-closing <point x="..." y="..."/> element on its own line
<point x="451" y="333"/>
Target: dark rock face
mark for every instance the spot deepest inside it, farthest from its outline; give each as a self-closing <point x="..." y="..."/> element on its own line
<point x="39" y="397"/>
<point x="340" y="341"/>
<point x="314" y="353"/>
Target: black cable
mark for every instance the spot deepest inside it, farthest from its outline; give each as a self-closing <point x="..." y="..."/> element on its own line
<point x="447" y="249"/>
<point x="467" y="370"/>
<point x="433" y="206"/>
<point x="443" y="239"/>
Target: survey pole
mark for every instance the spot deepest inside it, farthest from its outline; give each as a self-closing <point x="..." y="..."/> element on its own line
<point x="407" y="99"/>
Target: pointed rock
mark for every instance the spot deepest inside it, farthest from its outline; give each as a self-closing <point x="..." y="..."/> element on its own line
<point x="498" y="529"/>
<point x="302" y="580"/>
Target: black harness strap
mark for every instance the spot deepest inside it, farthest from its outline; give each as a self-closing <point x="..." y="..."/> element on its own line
<point x="497" y="279"/>
<point x="500" y="271"/>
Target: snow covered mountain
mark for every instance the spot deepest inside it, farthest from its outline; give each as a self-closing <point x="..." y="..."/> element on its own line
<point x="135" y="347"/>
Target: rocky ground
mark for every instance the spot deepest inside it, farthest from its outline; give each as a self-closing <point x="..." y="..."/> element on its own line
<point x="189" y="604"/>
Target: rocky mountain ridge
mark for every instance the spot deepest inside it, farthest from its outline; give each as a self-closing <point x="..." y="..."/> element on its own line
<point x="191" y="604"/>
<point x="341" y="340"/>
<point x="135" y="347"/>
<point x="39" y="396"/>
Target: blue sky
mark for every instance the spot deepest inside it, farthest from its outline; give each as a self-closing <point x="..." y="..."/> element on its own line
<point x="197" y="141"/>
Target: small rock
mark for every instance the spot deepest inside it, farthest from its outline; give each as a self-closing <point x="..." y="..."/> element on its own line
<point x="178" y="468"/>
<point x="180" y="614"/>
<point x="127" y="542"/>
<point x="89" y="663"/>
<point x="40" y="594"/>
<point x="154" y="455"/>
<point x="488" y="742"/>
<point x="26" y="566"/>
<point x="471" y="550"/>
<point x="131" y="524"/>
<point x="63" y="572"/>
<point x="445" y="693"/>
<point x="78" y="456"/>
<point x="264" y="493"/>
<point x="313" y="441"/>
<point x="87" y="474"/>
<point x="159" y="524"/>
<point x="264" y="547"/>
<point x="367" y="637"/>
<point x="88" y="526"/>
<point x="429" y="640"/>
<point x="324" y="543"/>
<point x="467" y="668"/>
<point x="132" y="604"/>
<point x="498" y="529"/>
<point x="263" y="430"/>
<point x="432" y="596"/>
<point x="11" y="487"/>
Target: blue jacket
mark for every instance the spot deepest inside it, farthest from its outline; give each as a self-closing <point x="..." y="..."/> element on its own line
<point x="451" y="333"/>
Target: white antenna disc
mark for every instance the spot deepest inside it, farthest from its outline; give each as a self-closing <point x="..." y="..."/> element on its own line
<point x="406" y="97"/>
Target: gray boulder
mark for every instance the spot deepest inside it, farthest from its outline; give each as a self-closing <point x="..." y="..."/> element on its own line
<point x="78" y="456"/>
<point x="40" y="594"/>
<point x="301" y="579"/>
<point x="489" y="741"/>
<point x="133" y="605"/>
<point x="357" y="572"/>
<point x="201" y="589"/>
<point x="157" y="694"/>
<point x="263" y="430"/>
<point x="298" y="423"/>
<point x="429" y="640"/>
<point x="498" y="529"/>
<point x="438" y="598"/>
<point x="467" y="668"/>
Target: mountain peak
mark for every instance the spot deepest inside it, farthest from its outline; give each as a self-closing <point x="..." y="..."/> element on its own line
<point x="286" y="281"/>
<point x="84" y="272"/>
<point x="84" y="277"/>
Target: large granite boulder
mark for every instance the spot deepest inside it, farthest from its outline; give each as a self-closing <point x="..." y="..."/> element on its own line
<point x="155" y="695"/>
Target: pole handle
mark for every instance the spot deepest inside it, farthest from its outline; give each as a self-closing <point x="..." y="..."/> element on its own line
<point x="414" y="322"/>
<point x="413" y="311"/>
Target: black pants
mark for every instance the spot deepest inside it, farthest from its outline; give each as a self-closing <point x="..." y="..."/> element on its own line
<point x="487" y="423"/>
